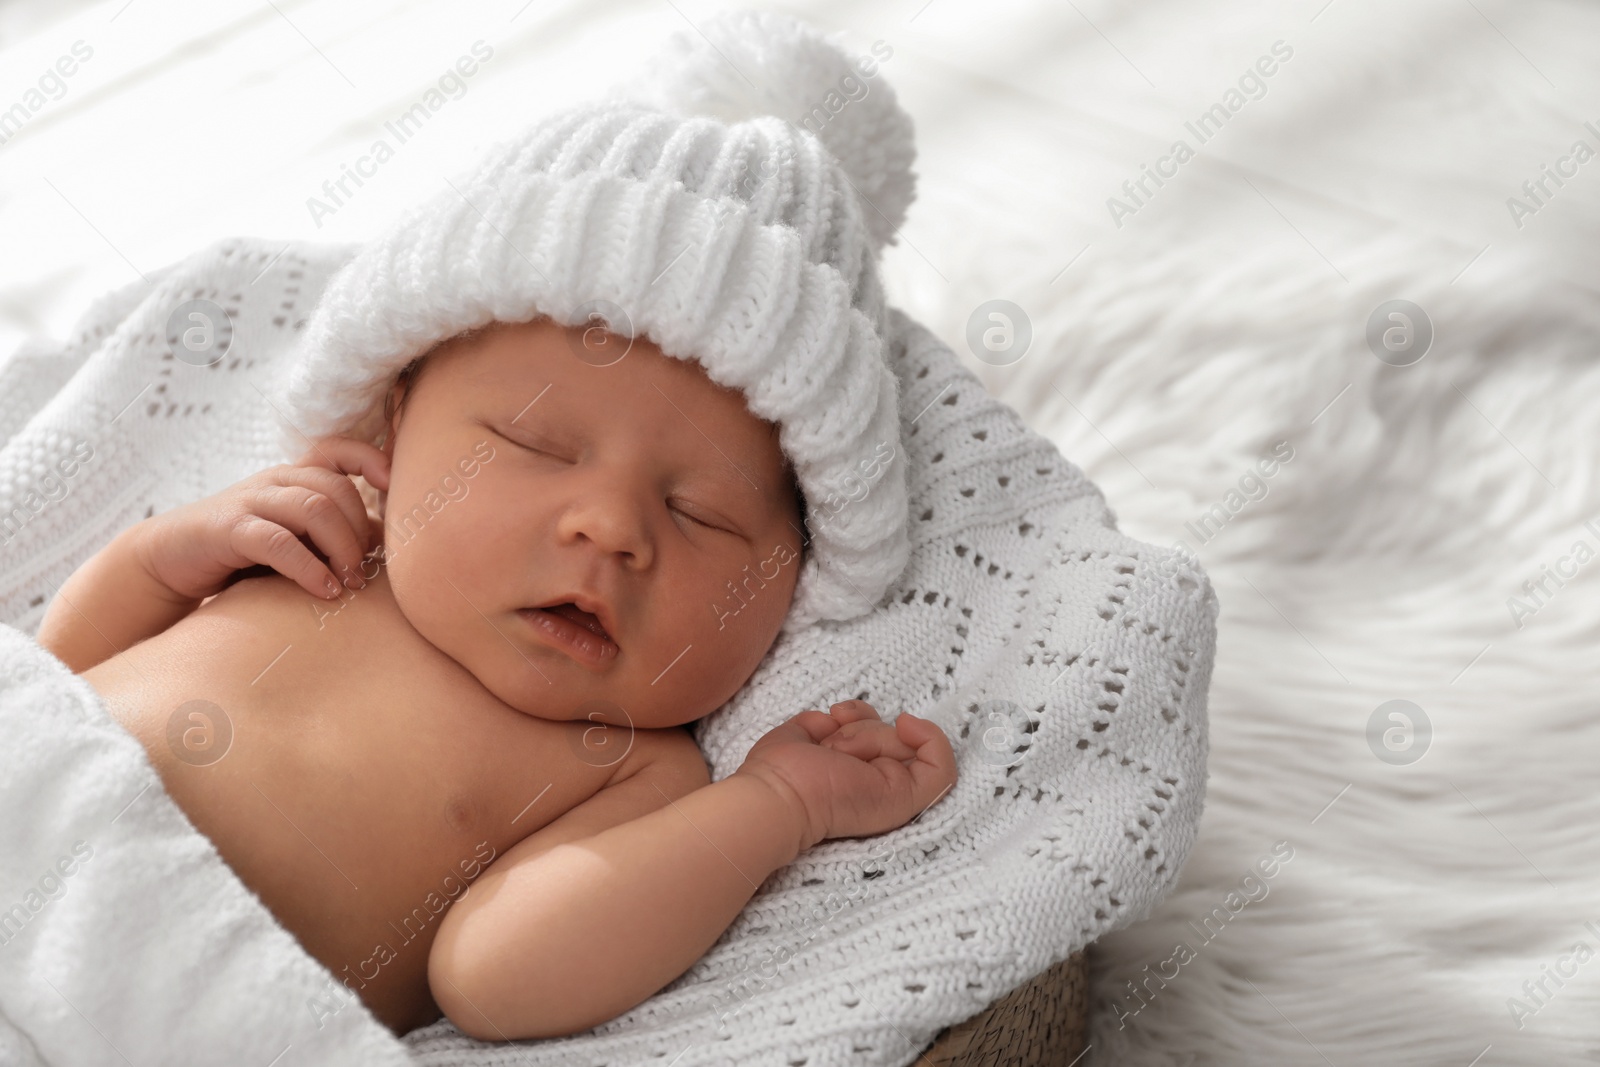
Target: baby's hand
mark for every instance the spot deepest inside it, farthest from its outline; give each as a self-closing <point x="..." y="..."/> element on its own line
<point x="849" y="773"/>
<point x="193" y="549"/>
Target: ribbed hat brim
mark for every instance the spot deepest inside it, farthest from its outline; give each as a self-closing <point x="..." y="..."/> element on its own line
<point x="700" y="277"/>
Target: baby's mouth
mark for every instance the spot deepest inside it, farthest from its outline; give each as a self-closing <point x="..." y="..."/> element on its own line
<point x="575" y="631"/>
<point x="578" y="615"/>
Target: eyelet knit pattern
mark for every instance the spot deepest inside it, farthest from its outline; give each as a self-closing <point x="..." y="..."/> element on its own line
<point x="737" y="239"/>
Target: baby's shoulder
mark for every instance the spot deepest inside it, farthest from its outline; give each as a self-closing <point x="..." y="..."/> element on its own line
<point x="680" y="752"/>
<point x="665" y="755"/>
<point x="657" y="767"/>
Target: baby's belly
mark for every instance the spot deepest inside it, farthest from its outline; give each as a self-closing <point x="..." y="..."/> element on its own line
<point x="352" y="776"/>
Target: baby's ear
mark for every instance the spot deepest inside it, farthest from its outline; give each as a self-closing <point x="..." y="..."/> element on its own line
<point x="370" y="497"/>
<point x="394" y="399"/>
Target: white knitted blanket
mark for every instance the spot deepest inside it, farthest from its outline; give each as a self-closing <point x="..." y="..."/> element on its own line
<point x="1068" y="663"/>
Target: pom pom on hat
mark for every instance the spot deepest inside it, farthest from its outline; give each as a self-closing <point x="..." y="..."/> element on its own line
<point x="746" y="64"/>
<point x="729" y="207"/>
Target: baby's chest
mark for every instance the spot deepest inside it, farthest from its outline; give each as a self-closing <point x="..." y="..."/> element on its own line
<point x="342" y="752"/>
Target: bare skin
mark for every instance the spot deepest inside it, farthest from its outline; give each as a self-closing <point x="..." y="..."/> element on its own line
<point x="368" y="775"/>
<point x="415" y="732"/>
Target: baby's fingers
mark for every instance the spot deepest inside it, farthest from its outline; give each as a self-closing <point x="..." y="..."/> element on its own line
<point x="867" y="740"/>
<point x="334" y="485"/>
<point x="934" y="770"/>
<point x="849" y="711"/>
<point x="258" y="540"/>
<point x="808" y="726"/>
<point x="346" y="455"/>
<point x="271" y="535"/>
<point x="323" y="518"/>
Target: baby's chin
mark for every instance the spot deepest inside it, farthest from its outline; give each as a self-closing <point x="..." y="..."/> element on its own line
<point x="550" y="702"/>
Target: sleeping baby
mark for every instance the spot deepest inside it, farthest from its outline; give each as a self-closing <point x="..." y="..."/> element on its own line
<point x="601" y="398"/>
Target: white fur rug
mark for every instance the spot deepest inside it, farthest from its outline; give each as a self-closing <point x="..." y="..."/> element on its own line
<point x="1417" y="898"/>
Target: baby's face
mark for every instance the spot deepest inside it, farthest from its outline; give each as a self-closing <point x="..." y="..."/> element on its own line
<point x="524" y="476"/>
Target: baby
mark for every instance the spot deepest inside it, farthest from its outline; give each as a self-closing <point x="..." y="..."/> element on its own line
<point x="493" y="693"/>
<point x="441" y="733"/>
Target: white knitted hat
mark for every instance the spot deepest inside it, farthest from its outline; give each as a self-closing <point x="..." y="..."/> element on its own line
<point x="695" y="207"/>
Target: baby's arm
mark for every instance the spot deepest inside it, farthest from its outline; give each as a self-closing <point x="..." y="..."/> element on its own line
<point x="157" y="571"/>
<point x="109" y="604"/>
<point x="555" y="939"/>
